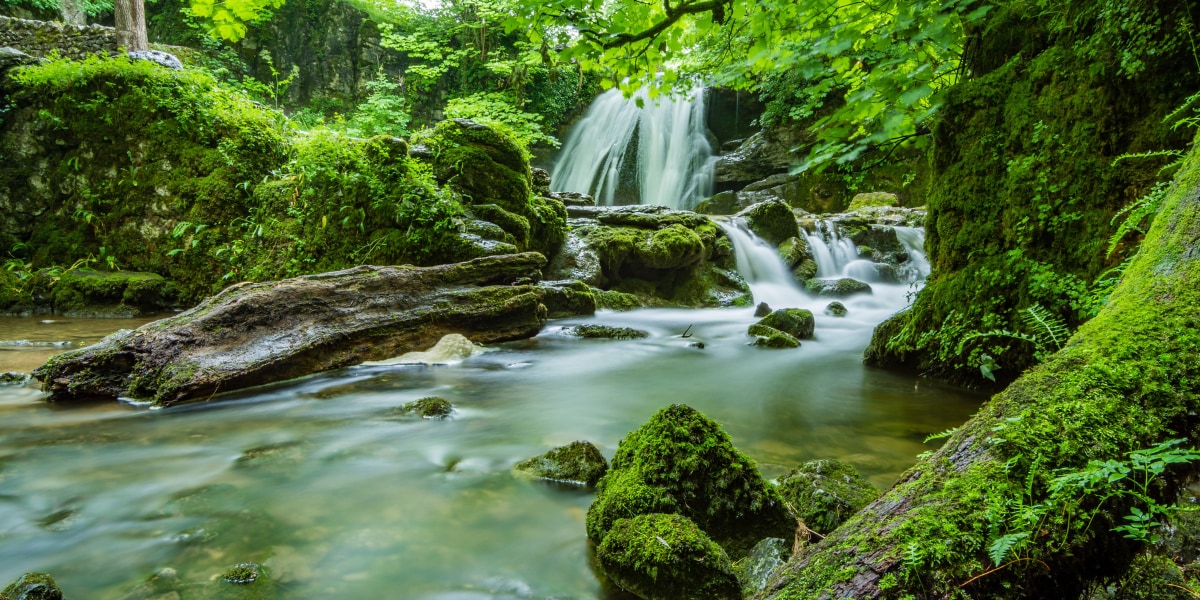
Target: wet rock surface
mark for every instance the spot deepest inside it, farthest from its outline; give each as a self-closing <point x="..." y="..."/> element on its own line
<point x="579" y="462"/>
<point x="252" y="334"/>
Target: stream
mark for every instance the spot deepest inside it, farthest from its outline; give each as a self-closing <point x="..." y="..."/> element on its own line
<point x="320" y="482"/>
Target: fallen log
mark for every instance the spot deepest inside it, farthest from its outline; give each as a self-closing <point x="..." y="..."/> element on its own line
<point x="980" y="518"/>
<point x="256" y="333"/>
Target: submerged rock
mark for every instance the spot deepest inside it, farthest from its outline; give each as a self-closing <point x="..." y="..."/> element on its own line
<point x="606" y="331"/>
<point x="252" y="334"/>
<point x="824" y="493"/>
<point x="32" y="586"/>
<point x="836" y="288"/>
<point x="797" y="322"/>
<point x="682" y="462"/>
<point x="432" y="407"/>
<point x="243" y="581"/>
<point x="452" y="348"/>
<point x="163" y="585"/>
<point x="666" y="556"/>
<point x="579" y="462"/>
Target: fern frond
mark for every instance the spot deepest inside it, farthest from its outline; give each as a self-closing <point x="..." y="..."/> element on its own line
<point x="1004" y="333"/>
<point x="1038" y="318"/>
<point x="1150" y="154"/>
<point x="1135" y="213"/>
<point x="1002" y="545"/>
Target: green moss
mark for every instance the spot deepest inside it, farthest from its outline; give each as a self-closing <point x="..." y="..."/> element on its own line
<point x="666" y="556"/>
<point x="873" y="199"/>
<point x="578" y="462"/>
<point x="682" y="462"/>
<point x="797" y="322"/>
<point x="674" y="247"/>
<point x="606" y="331"/>
<point x="836" y="288"/>
<point x="770" y="337"/>
<point x="773" y="221"/>
<point x="824" y="493"/>
<point x="33" y="586"/>
<point x="614" y="300"/>
<point x="432" y="407"/>
<point x="86" y="292"/>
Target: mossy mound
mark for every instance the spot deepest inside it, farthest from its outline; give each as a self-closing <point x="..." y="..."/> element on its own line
<point x="797" y="322"/>
<point x="836" y="288"/>
<point x="606" y="332"/>
<point x="433" y="407"/>
<point x="32" y="586"/>
<point x="682" y="462"/>
<point x="666" y="556"/>
<point x="243" y="581"/>
<point x="770" y="337"/>
<point x="773" y="221"/>
<point x="795" y="251"/>
<point x="492" y="172"/>
<point x="824" y="493"/>
<point x="564" y="299"/>
<point x="90" y="293"/>
<point x="835" y="309"/>
<point x="873" y="199"/>
<point x="651" y="255"/>
<point x="578" y="462"/>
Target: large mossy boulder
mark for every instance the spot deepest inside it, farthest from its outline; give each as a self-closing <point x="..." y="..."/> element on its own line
<point x="682" y="462"/>
<point x="837" y="288"/>
<point x="32" y="586"/>
<point x="579" y="462"/>
<point x="493" y="174"/>
<point x="824" y="493"/>
<point x="667" y="557"/>
<point x="798" y="322"/>
<point x="773" y="221"/>
<point x="651" y="256"/>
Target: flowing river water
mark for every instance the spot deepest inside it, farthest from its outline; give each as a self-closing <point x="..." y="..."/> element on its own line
<point x="321" y="483"/>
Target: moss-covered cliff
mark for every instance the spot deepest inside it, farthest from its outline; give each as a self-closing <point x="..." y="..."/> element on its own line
<point x="1026" y="180"/>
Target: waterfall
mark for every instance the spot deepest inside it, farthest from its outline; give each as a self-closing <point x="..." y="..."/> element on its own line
<point x="759" y="264"/>
<point x="832" y="251"/>
<point x="665" y="141"/>
<point x="913" y="240"/>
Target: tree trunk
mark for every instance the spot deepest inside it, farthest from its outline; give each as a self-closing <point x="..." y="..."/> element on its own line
<point x="257" y="333"/>
<point x="1129" y="379"/>
<point x="129" y="17"/>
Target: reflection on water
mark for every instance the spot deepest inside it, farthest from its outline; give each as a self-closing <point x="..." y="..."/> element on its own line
<point x="26" y="343"/>
<point x="320" y="482"/>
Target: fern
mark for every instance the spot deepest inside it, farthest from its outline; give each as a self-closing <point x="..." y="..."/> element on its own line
<point x="1003" y="544"/>
<point x="1036" y="317"/>
<point x="937" y="436"/>
<point x="1139" y="211"/>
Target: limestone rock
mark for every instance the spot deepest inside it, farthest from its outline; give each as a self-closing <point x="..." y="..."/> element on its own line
<point x="836" y="288"/>
<point x="578" y="462"/>
<point x="159" y="57"/>
<point x="606" y="332"/>
<point x="770" y="337"/>
<point x="433" y="407"/>
<point x="873" y="199"/>
<point x="797" y="322"/>
<point x="33" y="586"/>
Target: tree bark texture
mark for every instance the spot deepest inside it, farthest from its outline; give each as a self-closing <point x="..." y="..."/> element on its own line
<point x="129" y="18"/>
<point x="256" y="333"/>
<point x="1128" y="379"/>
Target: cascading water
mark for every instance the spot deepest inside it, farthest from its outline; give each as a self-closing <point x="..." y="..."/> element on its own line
<point x="665" y="141"/>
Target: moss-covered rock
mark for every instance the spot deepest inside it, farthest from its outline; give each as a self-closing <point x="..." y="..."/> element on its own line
<point x="836" y="288"/>
<point x="564" y="299"/>
<point x="433" y="407"/>
<point x="243" y="581"/>
<point x="797" y="322"/>
<point x="835" y="309"/>
<point x="794" y="251"/>
<point x="773" y="221"/>
<point x="12" y="378"/>
<point x="682" y="462"/>
<point x="866" y="199"/>
<point x="578" y="462"/>
<point x="667" y="557"/>
<point x="769" y="337"/>
<point x="824" y="493"/>
<point x="32" y="586"/>
<point x="606" y="332"/>
<point x="90" y="293"/>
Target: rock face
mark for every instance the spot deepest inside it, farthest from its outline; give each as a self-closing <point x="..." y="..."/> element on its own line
<point x="825" y="493"/>
<point x="579" y="462"/>
<point x="88" y="293"/>
<point x="683" y="463"/>
<point x="650" y="256"/>
<point x="763" y="154"/>
<point x="665" y="556"/>
<point x="251" y="334"/>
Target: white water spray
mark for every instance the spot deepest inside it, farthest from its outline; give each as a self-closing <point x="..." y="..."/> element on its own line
<point x="673" y="160"/>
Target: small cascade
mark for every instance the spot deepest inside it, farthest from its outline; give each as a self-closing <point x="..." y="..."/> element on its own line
<point x="665" y="142"/>
<point x="759" y="264"/>
<point x="832" y="251"/>
<point x="917" y="267"/>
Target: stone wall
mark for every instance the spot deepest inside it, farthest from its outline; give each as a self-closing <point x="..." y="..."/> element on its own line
<point x="39" y="38"/>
